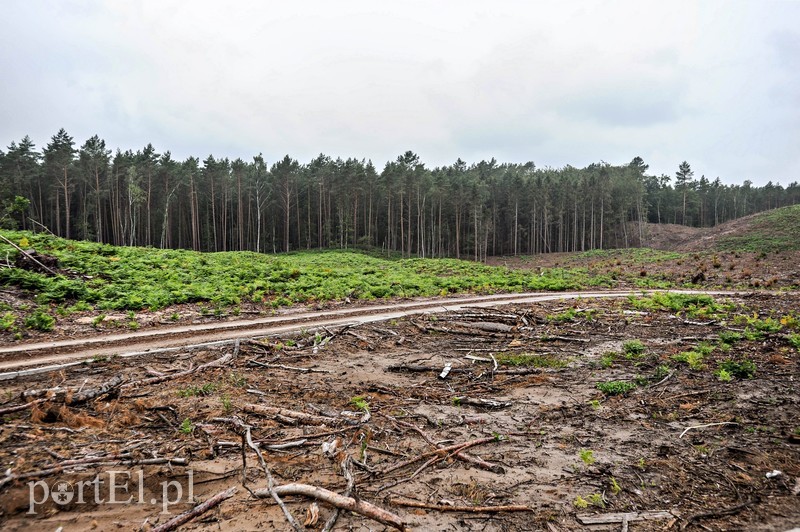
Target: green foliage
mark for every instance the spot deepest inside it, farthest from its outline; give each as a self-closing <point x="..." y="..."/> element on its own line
<point x="723" y="375"/>
<point x="360" y="403"/>
<point x="227" y="404"/>
<point x="633" y="348"/>
<point x="40" y="320"/>
<point x="693" y="358"/>
<point x="615" y="387"/>
<point x="607" y="360"/>
<point x="729" y="338"/>
<point x="581" y="503"/>
<point x="530" y="360"/>
<point x="741" y="369"/>
<point x="615" y="487"/>
<point x="186" y="426"/>
<point x="695" y="305"/>
<point x="131" y="278"/>
<point x="587" y="456"/>
<point x="794" y="339"/>
<point x="7" y="321"/>
<point x="769" y="232"/>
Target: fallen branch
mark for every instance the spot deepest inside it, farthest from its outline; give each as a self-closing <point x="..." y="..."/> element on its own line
<point x="483" y="403"/>
<point x="441" y="450"/>
<point x="358" y="506"/>
<point x="288" y="416"/>
<point x="29" y="256"/>
<point x="198" y="510"/>
<point x="17" y="408"/>
<point x="472" y="509"/>
<point x="289" y="368"/>
<point x="208" y="365"/>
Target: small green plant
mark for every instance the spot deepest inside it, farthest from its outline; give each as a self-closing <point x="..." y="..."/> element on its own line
<point x="174" y="316"/>
<point x="133" y="325"/>
<point x="360" y="403"/>
<point x="723" y="375"/>
<point x="198" y="391"/>
<point x="729" y="337"/>
<point x="607" y="360"/>
<point x="661" y="372"/>
<point x="615" y="387"/>
<point x="587" y="456"/>
<point x="581" y="503"/>
<point x="794" y="340"/>
<point x="186" y="426"/>
<point x="693" y="358"/>
<point x="741" y="369"/>
<point x="227" y="405"/>
<point x="595" y="404"/>
<point x="596" y="499"/>
<point x="615" y="487"/>
<point x="40" y="320"/>
<point x="633" y="348"/>
<point x="7" y="322"/>
<point x="98" y="320"/>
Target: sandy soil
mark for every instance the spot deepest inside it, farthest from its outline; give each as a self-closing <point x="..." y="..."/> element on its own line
<point x="681" y="442"/>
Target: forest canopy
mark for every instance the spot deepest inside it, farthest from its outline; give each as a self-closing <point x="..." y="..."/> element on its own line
<point x="461" y="210"/>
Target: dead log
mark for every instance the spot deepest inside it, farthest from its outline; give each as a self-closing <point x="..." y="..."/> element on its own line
<point x="358" y="506"/>
<point x="472" y="509"/>
<point x="198" y="510"/>
<point x="292" y="416"/>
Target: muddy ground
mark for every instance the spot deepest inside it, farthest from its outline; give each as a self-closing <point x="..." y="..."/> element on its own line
<point x="549" y="449"/>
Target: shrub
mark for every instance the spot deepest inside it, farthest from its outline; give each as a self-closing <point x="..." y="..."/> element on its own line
<point x="615" y="387"/>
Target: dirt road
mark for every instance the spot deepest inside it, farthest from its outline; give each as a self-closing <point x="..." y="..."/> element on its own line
<point x="44" y="355"/>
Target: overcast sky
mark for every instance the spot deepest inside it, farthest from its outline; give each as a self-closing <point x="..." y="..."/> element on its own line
<point x="557" y="83"/>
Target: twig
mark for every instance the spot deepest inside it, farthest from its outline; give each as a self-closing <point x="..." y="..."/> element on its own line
<point x="687" y="429"/>
<point x="442" y="450"/>
<point x="334" y="499"/>
<point x="472" y="509"/>
<point x="213" y="364"/>
<point x="289" y="368"/>
<point x="198" y="510"/>
<point x="717" y="513"/>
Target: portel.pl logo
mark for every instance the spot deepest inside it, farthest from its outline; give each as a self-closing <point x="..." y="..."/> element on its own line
<point x="111" y="487"/>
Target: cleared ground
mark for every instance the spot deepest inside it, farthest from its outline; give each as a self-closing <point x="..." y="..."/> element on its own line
<point x="697" y="403"/>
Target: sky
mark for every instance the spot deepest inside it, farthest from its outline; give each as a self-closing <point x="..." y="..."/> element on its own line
<point x="715" y="83"/>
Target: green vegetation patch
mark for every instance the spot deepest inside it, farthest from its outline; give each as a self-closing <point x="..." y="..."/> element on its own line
<point x="615" y="387"/>
<point x="770" y="231"/>
<point x="133" y="278"/>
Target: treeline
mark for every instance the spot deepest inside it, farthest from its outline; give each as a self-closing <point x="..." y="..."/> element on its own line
<point x="461" y="210"/>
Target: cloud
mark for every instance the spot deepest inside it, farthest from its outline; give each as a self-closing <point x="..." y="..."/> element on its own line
<point x="559" y="83"/>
